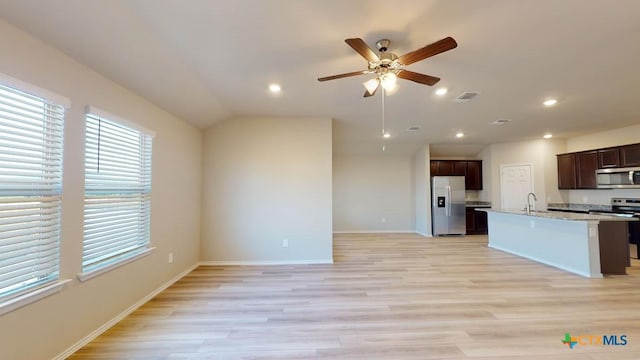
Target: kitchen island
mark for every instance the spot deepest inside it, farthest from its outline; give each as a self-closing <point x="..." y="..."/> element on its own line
<point x="584" y="244"/>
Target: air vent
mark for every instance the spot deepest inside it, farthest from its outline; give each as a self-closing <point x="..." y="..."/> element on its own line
<point x="466" y="96"/>
<point x="414" y="128"/>
<point x="501" y="122"/>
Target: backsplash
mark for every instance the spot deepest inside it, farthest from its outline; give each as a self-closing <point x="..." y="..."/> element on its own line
<point x="600" y="197"/>
<point x="471" y="195"/>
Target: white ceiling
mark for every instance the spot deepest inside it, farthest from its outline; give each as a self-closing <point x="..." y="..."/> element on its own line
<point x="207" y="60"/>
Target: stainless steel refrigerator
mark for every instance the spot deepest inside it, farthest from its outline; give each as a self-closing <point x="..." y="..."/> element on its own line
<point x="448" y="205"/>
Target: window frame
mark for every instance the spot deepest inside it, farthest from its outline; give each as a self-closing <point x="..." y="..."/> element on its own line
<point x="34" y="289"/>
<point x="93" y="192"/>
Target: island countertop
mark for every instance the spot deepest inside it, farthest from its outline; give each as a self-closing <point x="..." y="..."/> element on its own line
<point x="561" y="215"/>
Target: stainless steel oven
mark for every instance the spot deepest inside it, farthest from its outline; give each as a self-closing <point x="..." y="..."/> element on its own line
<point x="614" y="178"/>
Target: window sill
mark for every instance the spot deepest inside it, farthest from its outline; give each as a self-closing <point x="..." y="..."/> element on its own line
<point x="88" y="275"/>
<point x="32" y="296"/>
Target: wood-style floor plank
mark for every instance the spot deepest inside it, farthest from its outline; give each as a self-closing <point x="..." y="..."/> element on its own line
<point x="391" y="296"/>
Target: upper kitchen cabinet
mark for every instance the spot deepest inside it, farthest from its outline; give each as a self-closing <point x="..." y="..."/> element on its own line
<point x="608" y="158"/>
<point x="443" y="168"/>
<point x="586" y="166"/>
<point x="473" y="179"/>
<point x="578" y="170"/>
<point x="470" y="169"/>
<point x="567" y="171"/>
<point x="459" y="168"/>
<point x="630" y="155"/>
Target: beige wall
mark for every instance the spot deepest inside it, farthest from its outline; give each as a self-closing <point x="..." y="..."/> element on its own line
<point x="539" y="153"/>
<point x="58" y="321"/>
<point x="266" y="180"/>
<point x="373" y="193"/>
<point x="422" y="190"/>
<point x="614" y="137"/>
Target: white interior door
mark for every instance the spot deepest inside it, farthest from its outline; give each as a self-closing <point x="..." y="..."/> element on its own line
<point x="516" y="181"/>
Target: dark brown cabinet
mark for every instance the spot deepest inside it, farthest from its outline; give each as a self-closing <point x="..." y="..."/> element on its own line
<point x="442" y="168"/>
<point x="630" y="155"/>
<point x="567" y="171"/>
<point x="473" y="180"/>
<point x="608" y="158"/>
<point x="470" y="169"/>
<point x="434" y="168"/>
<point x="586" y="166"/>
<point x="460" y="168"/>
<point x="578" y="170"/>
<point x="476" y="221"/>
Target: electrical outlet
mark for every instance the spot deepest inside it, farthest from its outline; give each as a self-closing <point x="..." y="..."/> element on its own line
<point x="170" y="257"/>
<point x="285" y="242"/>
<point x="384" y="220"/>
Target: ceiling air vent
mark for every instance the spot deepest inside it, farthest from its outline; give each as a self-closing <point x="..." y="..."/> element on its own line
<point x="466" y="96"/>
<point x="413" y="128"/>
<point x="500" y="122"/>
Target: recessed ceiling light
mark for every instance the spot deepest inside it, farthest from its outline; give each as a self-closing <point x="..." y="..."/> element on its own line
<point x="547" y="136"/>
<point x="386" y="135"/>
<point x="459" y="134"/>
<point x="275" y="88"/>
<point x="441" y="91"/>
<point x="550" y="102"/>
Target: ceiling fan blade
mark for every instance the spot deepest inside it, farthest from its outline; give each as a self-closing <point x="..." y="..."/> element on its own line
<point x="436" y="48"/>
<point x="368" y="94"/>
<point x="340" y="76"/>
<point x="417" y="77"/>
<point x="361" y="48"/>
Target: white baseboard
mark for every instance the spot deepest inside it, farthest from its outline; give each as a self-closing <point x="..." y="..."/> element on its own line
<point x="266" y="262"/>
<point x="97" y="332"/>
<point x="424" y="234"/>
<point x="375" y="232"/>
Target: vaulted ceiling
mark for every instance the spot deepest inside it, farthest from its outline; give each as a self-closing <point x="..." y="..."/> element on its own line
<point x="208" y="61"/>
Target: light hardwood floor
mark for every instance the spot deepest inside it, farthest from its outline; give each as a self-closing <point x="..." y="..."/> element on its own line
<point x="397" y="296"/>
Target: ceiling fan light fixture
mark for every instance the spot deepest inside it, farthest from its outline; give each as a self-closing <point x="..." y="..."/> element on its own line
<point x="388" y="81"/>
<point x="371" y="85"/>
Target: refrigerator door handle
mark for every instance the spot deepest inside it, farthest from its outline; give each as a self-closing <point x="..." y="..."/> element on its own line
<point x="448" y="201"/>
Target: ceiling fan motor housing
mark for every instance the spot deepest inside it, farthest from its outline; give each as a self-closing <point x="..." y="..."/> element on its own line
<point x="383" y="45"/>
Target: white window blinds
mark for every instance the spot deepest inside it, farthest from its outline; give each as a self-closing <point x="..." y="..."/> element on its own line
<point x="31" y="140"/>
<point x="117" y="192"/>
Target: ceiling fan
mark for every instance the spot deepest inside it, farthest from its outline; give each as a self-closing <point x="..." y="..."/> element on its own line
<point x="388" y="66"/>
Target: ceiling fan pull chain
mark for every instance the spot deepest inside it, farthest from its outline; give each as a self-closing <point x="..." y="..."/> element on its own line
<point x="383" y="131"/>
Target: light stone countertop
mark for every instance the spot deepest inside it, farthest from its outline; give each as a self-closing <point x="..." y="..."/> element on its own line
<point x="561" y="215"/>
<point x="477" y="204"/>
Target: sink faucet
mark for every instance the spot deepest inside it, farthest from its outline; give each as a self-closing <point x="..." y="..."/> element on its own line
<point x="530" y="204"/>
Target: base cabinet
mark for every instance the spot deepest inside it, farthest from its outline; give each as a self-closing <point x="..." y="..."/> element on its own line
<point x="476" y="222"/>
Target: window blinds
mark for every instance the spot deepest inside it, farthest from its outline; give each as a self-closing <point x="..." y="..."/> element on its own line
<point x="31" y="140"/>
<point x="117" y="192"/>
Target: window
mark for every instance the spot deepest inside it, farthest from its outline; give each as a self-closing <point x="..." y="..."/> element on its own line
<point x="117" y="192"/>
<point x="31" y="139"/>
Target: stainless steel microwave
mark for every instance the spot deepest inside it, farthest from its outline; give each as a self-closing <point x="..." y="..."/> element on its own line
<point x="615" y="178"/>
